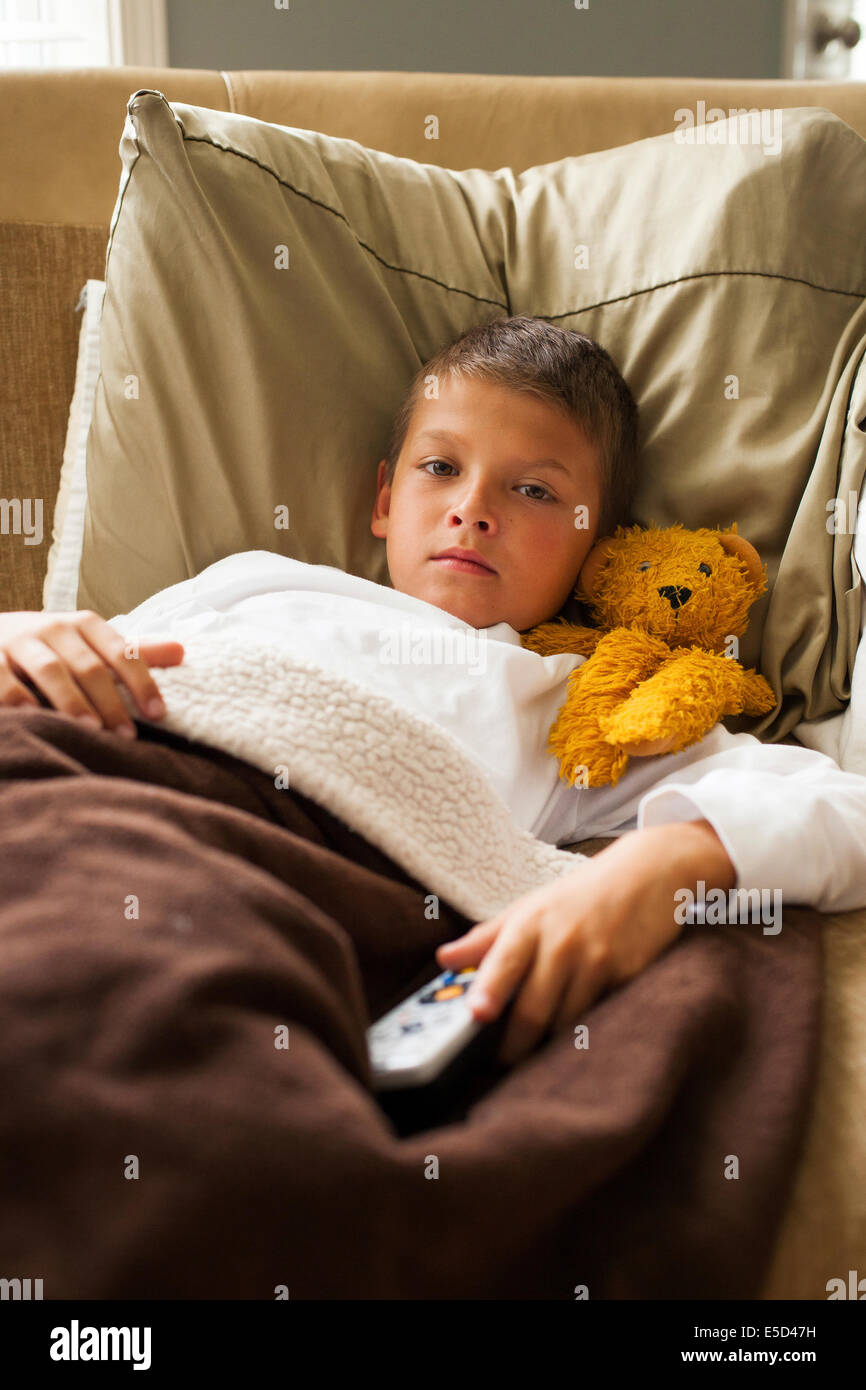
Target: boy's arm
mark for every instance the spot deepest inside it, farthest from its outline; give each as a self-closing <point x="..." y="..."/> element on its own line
<point x="558" y="947"/>
<point x="734" y="812"/>
<point x="788" y="817"/>
<point x="77" y="664"/>
<point x="704" y="856"/>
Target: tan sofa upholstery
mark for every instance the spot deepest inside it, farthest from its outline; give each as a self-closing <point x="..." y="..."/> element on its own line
<point x="59" y="171"/>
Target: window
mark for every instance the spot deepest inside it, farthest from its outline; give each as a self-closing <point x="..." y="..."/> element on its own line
<point x="832" y="61"/>
<point x="858" y="54"/>
<point x="82" y="33"/>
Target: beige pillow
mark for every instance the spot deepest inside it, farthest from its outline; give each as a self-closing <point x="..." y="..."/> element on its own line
<point x="271" y="291"/>
<point x="60" y="585"/>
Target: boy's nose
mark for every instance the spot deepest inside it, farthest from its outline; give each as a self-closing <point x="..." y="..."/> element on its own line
<point x="676" y="595"/>
<point x="471" y="516"/>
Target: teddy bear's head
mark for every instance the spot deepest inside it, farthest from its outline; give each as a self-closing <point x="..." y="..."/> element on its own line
<point x="687" y="587"/>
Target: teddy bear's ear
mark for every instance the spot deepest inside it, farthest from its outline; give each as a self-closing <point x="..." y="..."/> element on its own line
<point x="598" y="556"/>
<point x="739" y="546"/>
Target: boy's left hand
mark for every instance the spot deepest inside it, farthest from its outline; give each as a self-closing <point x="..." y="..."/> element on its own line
<point x="592" y="929"/>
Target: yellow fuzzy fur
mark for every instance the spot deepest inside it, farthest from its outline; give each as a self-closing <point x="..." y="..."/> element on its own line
<point x="658" y="675"/>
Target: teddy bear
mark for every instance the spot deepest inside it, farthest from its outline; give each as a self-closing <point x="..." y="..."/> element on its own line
<point x="667" y="602"/>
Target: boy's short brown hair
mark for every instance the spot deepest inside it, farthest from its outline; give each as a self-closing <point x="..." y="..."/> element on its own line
<point x="559" y="365"/>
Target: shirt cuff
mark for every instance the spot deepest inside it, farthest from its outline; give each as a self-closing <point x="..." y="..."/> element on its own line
<point x="803" y="835"/>
<point x="675" y="804"/>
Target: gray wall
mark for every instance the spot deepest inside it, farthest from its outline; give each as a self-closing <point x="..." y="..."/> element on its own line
<point x="611" y="38"/>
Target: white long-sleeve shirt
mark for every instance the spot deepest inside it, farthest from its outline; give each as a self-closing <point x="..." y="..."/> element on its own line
<point x="790" y="819"/>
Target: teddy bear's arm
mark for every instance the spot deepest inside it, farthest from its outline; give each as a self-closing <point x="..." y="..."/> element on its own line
<point x="596" y="689"/>
<point x="549" y="639"/>
<point x="690" y="693"/>
<point x="757" y="694"/>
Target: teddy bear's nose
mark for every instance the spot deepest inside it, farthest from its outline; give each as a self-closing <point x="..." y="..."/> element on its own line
<point x="676" y="595"/>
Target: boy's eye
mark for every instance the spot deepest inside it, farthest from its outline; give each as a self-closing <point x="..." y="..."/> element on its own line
<point x="430" y="463"/>
<point x="540" y="489"/>
<point x="704" y="569"/>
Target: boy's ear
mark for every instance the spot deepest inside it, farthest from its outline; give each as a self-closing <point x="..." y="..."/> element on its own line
<point x="381" y="503"/>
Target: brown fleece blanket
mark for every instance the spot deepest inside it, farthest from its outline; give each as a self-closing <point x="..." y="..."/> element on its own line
<point x="165" y="911"/>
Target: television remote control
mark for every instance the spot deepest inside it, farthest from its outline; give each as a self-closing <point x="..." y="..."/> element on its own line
<point x="413" y="1043"/>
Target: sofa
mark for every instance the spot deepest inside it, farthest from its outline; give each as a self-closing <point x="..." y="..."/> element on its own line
<point x="58" y="184"/>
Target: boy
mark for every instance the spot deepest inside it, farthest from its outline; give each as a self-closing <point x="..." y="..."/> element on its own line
<point x="505" y="438"/>
<point x="480" y="425"/>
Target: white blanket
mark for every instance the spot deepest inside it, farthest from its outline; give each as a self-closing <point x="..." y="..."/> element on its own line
<point x="391" y="774"/>
<point x="442" y="761"/>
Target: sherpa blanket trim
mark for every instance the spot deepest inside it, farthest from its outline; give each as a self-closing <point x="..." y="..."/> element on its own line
<point x="392" y="775"/>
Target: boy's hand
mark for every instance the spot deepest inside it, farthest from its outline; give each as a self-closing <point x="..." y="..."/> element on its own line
<point x="566" y="942"/>
<point x="72" y="659"/>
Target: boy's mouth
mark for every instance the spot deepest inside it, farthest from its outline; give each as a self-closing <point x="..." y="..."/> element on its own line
<point x="464" y="560"/>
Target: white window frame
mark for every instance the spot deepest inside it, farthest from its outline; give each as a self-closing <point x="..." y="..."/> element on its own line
<point x="138" y="33"/>
<point x="116" y="33"/>
<point x="798" y="61"/>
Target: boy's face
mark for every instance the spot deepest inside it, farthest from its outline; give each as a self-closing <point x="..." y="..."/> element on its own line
<point x="485" y="483"/>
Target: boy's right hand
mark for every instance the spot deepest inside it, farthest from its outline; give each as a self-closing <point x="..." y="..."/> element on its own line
<point x="74" y="660"/>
